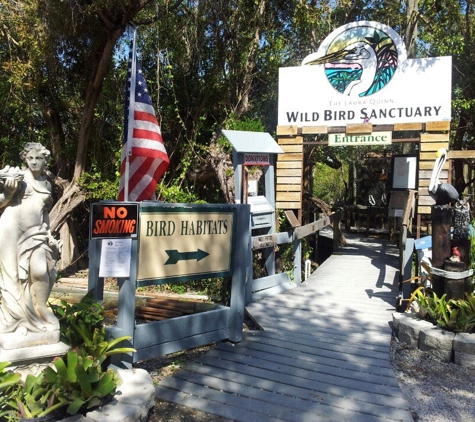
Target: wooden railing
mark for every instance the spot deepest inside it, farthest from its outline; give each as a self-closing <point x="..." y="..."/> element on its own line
<point x="276" y="283"/>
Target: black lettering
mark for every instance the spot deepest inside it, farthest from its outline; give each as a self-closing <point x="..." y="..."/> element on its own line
<point x="292" y="116"/>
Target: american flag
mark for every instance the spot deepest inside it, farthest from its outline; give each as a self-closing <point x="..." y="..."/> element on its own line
<point x="144" y="157"/>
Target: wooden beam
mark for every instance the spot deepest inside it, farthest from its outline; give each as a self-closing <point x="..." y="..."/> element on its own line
<point x="289" y="180"/>
<point x="289" y="172"/>
<point x="288" y="188"/>
<point x="426" y="174"/>
<point x="427" y="156"/>
<point x="399" y="127"/>
<point x="454" y="155"/>
<point x="435" y="137"/>
<point x="424" y="209"/>
<point x="288" y="205"/>
<point x="314" y="130"/>
<point x="292" y="148"/>
<point x="291" y="218"/>
<point x="433" y="146"/>
<point x="288" y="196"/>
<point x="287" y="130"/>
<point x="290" y="157"/>
<point x="359" y="128"/>
<point x="289" y="165"/>
<point x="297" y="140"/>
<point x="436" y="126"/>
<point x="429" y="165"/>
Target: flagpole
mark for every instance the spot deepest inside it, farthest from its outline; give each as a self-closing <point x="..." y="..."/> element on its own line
<point x="130" y="127"/>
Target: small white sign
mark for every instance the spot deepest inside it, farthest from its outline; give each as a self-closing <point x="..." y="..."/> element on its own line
<point x="346" y="139"/>
<point x="398" y="213"/>
<point x="115" y="258"/>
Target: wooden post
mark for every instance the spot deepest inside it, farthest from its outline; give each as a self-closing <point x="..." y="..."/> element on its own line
<point x="455" y="288"/>
<point x="441" y="245"/>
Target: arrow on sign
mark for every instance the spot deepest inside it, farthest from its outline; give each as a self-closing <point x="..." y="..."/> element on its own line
<point x="174" y="256"/>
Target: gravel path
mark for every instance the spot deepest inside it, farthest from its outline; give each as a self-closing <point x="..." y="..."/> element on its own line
<point x="435" y="391"/>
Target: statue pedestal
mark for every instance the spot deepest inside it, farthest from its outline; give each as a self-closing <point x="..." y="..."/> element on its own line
<point x="32" y="360"/>
<point x="19" y="339"/>
<point x="33" y="354"/>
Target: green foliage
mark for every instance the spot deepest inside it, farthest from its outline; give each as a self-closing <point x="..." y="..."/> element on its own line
<point x="329" y="184"/>
<point x="9" y="383"/>
<point x="37" y="398"/>
<point x="80" y="379"/>
<point x="453" y="315"/>
<point x="77" y="381"/>
<point x="175" y="194"/>
<point x="97" y="188"/>
<point x="78" y="321"/>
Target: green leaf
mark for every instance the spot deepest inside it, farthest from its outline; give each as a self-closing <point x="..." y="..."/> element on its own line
<point x="83" y="380"/>
<point x="74" y="407"/>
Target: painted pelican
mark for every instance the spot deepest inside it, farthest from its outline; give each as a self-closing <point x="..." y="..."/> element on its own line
<point x="356" y="53"/>
<point x="443" y="193"/>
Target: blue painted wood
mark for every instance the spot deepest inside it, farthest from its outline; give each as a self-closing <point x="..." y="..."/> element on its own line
<point x="242" y="270"/>
<point x="176" y="329"/>
<point x="323" y="354"/>
<point x="189" y="342"/>
<point x="269" y="281"/>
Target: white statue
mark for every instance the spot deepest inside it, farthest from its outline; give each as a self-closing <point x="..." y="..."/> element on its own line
<point x="28" y="252"/>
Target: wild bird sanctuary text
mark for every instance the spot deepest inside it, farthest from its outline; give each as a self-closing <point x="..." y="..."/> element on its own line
<point x="364" y="114"/>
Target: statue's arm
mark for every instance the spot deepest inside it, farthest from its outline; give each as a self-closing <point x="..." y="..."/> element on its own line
<point x="8" y="187"/>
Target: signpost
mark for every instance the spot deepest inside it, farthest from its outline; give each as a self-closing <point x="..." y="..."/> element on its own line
<point x="153" y="243"/>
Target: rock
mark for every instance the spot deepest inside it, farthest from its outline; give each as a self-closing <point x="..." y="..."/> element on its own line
<point x="409" y="329"/>
<point x="437" y="342"/>
<point x="398" y="317"/>
<point x="464" y="350"/>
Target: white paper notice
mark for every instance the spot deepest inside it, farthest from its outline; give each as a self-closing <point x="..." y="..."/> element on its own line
<point x="115" y="258"/>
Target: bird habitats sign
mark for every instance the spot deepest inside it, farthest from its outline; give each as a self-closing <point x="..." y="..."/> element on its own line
<point x="179" y="243"/>
<point x="361" y="73"/>
<point x="349" y="139"/>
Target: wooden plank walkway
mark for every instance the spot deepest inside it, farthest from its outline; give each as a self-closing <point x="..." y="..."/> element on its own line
<point x="322" y="354"/>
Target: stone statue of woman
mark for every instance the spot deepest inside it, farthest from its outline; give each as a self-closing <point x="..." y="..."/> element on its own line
<point x="28" y="253"/>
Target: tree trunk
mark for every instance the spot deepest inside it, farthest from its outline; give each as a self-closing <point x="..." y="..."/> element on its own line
<point x="60" y="223"/>
<point x="327" y="211"/>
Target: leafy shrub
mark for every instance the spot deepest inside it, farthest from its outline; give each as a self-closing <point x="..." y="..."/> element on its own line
<point x="453" y="315"/>
<point x="77" y="381"/>
<point x="77" y="321"/>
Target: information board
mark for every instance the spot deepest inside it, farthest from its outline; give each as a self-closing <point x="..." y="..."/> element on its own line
<point x="183" y="243"/>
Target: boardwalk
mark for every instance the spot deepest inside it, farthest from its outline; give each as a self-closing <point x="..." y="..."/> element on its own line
<point x="322" y="354"/>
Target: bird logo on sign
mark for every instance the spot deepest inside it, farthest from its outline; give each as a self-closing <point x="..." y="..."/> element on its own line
<point x="358" y="66"/>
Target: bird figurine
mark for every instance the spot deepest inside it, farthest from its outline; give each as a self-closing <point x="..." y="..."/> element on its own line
<point x="462" y="219"/>
<point x="442" y="193"/>
<point x="456" y="255"/>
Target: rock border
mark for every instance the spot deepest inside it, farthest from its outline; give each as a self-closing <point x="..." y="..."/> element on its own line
<point x="444" y="345"/>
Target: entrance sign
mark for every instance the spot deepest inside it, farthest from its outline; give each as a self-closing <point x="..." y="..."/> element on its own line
<point x="360" y="74"/>
<point x="183" y="243"/>
<point x="346" y="139"/>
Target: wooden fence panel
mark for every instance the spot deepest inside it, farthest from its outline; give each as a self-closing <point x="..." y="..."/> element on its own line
<point x="430" y="143"/>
